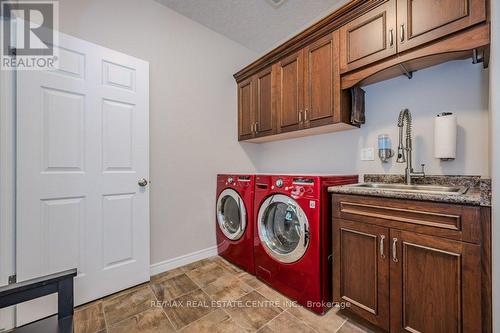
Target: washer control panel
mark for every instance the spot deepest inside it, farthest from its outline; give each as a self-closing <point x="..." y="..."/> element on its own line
<point x="296" y="187"/>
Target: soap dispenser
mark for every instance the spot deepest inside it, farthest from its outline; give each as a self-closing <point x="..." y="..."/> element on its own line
<point x="385" y="151"/>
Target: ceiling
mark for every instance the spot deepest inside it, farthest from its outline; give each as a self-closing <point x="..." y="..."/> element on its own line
<point x="255" y="24"/>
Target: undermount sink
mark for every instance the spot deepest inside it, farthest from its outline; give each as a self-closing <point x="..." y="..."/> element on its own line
<point x="450" y="190"/>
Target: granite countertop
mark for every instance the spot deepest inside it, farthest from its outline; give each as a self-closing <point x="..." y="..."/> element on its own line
<point x="479" y="193"/>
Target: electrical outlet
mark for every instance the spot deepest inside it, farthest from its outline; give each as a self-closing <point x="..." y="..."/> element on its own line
<point x="367" y="154"/>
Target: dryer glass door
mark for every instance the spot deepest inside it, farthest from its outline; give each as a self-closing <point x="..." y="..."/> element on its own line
<point x="231" y="214"/>
<point x="283" y="228"/>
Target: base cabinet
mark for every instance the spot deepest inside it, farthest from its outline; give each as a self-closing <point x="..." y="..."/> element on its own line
<point x="401" y="277"/>
<point x="362" y="270"/>
<point x="435" y="284"/>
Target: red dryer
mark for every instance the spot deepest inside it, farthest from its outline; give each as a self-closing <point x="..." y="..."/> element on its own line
<point x="293" y="236"/>
<point x="234" y="219"/>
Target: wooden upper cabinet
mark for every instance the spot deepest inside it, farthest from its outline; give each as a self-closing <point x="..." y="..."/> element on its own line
<point x="264" y="106"/>
<point x="321" y="63"/>
<point x="361" y="270"/>
<point x="399" y="25"/>
<point x="422" y="21"/>
<point x="246" y="102"/>
<point x="435" y="284"/>
<point x="302" y="87"/>
<point x="290" y="92"/>
<point x="369" y="38"/>
<point x="256" y="106"/>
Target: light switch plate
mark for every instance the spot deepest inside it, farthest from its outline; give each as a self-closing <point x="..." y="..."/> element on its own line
<point x="368" y="154"/>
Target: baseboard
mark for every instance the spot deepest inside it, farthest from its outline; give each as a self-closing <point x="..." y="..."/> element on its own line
<point x="7" y="317"/>
<point x="169" y="264"/>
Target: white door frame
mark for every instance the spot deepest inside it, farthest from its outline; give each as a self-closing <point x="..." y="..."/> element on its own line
<point x="495" y="159"/>
<point x="7" y="187"/>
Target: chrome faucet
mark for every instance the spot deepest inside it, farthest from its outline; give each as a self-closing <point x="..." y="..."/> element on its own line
<point x="404" y="153"/>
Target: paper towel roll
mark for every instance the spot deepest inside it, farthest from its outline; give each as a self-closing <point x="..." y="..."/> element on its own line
<point x="445" y="136"/>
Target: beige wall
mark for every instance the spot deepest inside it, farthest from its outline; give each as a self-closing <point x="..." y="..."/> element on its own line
<point x="192" y="110"/>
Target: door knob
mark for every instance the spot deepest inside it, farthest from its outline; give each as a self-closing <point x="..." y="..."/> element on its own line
<point x="142" y="182"/>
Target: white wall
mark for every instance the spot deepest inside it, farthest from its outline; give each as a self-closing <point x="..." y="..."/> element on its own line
<point x="459" y="87"/>
<point x="495" y="156"/>
<point x="193" y="133"/>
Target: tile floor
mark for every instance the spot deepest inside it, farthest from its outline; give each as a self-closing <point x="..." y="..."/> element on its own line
<point x="182" y="300"/>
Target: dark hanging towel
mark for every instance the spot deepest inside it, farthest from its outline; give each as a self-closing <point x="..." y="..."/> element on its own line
<point x="358" y="106"/>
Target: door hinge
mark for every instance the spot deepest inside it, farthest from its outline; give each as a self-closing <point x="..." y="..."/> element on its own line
<point x="12" y="279"/>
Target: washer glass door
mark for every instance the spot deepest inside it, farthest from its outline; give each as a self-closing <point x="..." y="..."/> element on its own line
<point x="231" y="214"/>
<point x="283" y="228"/>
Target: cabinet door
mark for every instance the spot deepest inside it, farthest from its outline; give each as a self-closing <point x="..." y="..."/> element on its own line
<point x="361" y="269"/>
<point x="320" y="64"/>
<point x="369" y="38"/>
<point x="290" y="99"/>
<point x="264" y="113"/>
<point x="435" y="284"/>
<point x="421" y="21"/>
<point x="246" y="105"/>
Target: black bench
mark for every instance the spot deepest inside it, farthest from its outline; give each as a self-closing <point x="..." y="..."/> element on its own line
<point x="60" y="283"/>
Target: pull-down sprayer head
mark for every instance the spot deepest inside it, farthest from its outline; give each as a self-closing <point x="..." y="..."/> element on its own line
<point x="404" y="115"/>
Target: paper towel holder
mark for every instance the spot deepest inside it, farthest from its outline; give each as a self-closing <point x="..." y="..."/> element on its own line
<point x="444" y="114"/>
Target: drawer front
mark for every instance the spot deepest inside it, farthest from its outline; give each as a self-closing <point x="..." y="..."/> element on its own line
<point x="438" y="219"/>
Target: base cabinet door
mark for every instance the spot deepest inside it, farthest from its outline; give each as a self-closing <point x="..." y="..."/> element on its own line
<point x="420" y="22"/>
<point x="361" y="270"/>
<point x="434" y="284"/>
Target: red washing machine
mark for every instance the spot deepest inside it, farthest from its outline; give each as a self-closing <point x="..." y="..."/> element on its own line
<point x="293" y="236"/>
<point x="234" y="219"/>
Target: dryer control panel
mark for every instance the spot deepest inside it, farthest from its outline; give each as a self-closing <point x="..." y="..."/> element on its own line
<point x="241" y="182"/>
<point x="295" y="186"/>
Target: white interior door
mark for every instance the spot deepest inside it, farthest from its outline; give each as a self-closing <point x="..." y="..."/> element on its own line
<point x="82" y="146"/>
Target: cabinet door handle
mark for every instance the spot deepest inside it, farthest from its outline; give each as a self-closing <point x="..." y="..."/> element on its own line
<point x="394" y="250"/>
<point x="305" y="114"/>
<point x="300" y="116"/>
<point x="256" y="127"/>
<point x="391" y="37"/>
<point x="402" y="33"/>
<point x="381" y="247"/>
